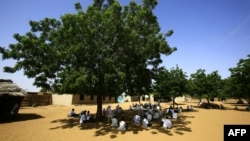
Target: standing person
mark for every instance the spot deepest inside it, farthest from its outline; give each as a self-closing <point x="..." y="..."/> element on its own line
<point x="166" y="123"/>
<point x="110" y="113"/>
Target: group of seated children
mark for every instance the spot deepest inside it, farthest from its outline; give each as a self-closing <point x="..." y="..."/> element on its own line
<point x="173" y="112"/>
<point x="109" y="113"/>
<point x="147" y="115"/>
<point x="190" y="108"/>
<point x="121" y="125"/>
<point x="84" y="116"/>
<point x="147" y="120"/>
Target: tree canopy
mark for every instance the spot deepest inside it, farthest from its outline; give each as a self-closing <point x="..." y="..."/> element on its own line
<point x="202" y="85"/>
<point x="104" y="50"/>
<point x="240" y="79"/>
<point x="171" y="83"/>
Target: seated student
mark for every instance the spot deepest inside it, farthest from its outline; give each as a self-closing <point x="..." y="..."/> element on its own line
<point x="103" y="112"/>
<point x="160" y="112"/>
<point x="72" y="113"/>
<point x="174" y="115"/>
<point x="118" y="109"/>
<point x="83" y="117"/>
<point x="145" y="122"/>
<point x="88" y="117"/>
<point x="156" y="115"/>
<point x="150" y="109"/>
<point x="149" y="117"/>
<point x="248" y="108"/>
<point x="191" y="108"/>
<point x="137" y="119"/>
<point x="222" y="107"/>
<point x="166" y="122"/>
<point x="180" y="109"/>
<point x="236" y="107"/>
<point x="171" y="110"/>
<point x="122" y="125"/>
<point x="114" y="122"/>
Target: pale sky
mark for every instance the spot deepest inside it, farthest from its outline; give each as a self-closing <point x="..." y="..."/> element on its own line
<point x="209" y="34"/>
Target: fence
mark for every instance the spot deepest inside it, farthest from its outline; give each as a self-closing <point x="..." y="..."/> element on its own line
<point x="37" y="99"/>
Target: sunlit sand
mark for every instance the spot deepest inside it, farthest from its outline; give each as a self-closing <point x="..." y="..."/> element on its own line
<point x="50" y="123"/>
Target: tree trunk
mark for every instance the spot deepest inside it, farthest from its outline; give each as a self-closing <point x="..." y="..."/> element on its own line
<point x="139" y="99"/>
<point x="208" y="100"/>
<point x="99" y="107"/>
<point x="173" y="101"/>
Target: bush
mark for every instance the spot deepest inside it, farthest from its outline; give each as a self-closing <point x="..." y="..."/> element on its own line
<point x="240" y="101"/>
<point x="210" y="106"/>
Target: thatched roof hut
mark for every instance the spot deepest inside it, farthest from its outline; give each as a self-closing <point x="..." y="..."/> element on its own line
<point x="11" y="97"/>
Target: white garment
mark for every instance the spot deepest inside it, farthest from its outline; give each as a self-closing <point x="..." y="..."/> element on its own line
<point x="174" y="115"/>
<point x="137" y="119"/>
<point x="167" y="123"/>
<point x="158" y="107"/>
<point x="122" y="125"/>
<point x="87" y="117"/>
<point x="145" y="123"/>
<point x="167" y="111"/>
<point x="114" y="122"/>
<point x="82" y="118"/>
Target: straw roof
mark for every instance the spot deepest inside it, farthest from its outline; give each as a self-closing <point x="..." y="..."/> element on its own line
<point x="7" y="87"/>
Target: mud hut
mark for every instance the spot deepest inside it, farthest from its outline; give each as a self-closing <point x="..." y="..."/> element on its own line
<point x="11" y="97"/>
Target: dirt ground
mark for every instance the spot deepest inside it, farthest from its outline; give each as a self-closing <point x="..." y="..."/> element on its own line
<point x="50" y="123"/>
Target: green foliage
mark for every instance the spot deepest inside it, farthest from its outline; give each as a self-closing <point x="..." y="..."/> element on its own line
<point x="103" y="51"/>
<point x="202" y="85"/>
<point x="171" y="83"/>
<point x="240" y="79"/>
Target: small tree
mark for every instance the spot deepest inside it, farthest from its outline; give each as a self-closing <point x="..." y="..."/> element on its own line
<point x="198" y="84"/>
<point x="171" y="83"/>
<point x="205" y="85"/>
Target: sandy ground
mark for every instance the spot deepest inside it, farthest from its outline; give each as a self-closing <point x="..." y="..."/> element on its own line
<point x="50" y="123"/>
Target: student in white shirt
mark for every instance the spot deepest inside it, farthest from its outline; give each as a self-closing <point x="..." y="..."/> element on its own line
<point x="122" y="125"/>
<point x="83" y="117"/>
<point x="145" y="122"/>
<point x="166" y="122"/>
<point x="114" y="122"/>
<point x="72" y="113"/>
<point x="137" y="119"/>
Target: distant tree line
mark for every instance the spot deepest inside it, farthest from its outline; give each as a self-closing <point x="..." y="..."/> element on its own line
<point x="174" y="83"/>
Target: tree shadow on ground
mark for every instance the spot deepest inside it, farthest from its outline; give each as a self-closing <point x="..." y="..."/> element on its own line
<point x="68" y="122"/>
<point x="180" y="125"/>
<point x="22" y="117"/>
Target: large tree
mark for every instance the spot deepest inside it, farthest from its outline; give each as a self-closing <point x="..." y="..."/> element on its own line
<point x="101" y="51"/>
<point x="240" y="79"/>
